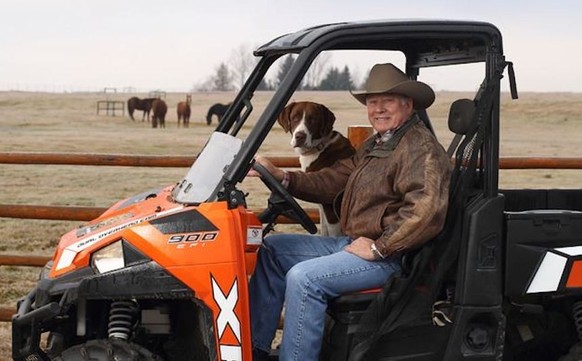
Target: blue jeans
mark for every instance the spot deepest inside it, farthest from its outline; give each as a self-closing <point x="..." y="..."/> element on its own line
<point x="304" y="272"/>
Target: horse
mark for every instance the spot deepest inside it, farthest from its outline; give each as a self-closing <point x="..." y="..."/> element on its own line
<point x="159" y="110"/>
<point x="217" y="109"/>
<point x="183" y="110"/>
<point x="135" y="103"/>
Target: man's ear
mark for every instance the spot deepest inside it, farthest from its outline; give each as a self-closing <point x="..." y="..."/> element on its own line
<point x="284" y="118"/>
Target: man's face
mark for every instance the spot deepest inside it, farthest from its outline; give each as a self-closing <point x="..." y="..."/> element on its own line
<point x="388" y="111"/>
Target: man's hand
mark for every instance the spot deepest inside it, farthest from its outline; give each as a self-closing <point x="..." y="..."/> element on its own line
<point x="276" y="172"/>
<point x="361" y="248"/>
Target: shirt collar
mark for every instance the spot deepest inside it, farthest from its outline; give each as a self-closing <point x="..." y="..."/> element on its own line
<point x="384" y="137"/>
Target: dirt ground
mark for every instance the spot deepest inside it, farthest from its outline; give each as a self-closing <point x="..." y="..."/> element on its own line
<point x="538" y="124"/>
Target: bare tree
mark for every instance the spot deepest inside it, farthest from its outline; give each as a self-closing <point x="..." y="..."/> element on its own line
<point x="316" y="71"/>
<point x="284" y="67"/>
<point x="203" y="86"/>
<point x="242" y="63"/>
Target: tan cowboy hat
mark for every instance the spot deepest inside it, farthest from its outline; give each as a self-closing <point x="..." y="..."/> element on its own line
<point x="386" y="78"/>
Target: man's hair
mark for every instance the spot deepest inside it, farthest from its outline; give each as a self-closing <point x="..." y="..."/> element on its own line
<point x="403" y="98"/>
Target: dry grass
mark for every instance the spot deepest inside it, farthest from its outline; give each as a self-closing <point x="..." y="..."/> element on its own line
<point x="536" y="125"/>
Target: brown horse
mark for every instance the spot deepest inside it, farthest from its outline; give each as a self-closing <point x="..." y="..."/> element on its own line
<point x="159" y="110"/>
<point x="135" y="103"/>
<point x="183" y="110"/>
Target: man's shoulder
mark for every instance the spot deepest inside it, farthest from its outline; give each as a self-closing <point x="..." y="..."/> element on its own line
<point x="420" y="136"/>
<point x="420" y="131"/>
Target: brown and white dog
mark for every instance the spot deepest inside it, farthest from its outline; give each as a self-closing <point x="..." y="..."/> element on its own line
<point x="318" y="146"/>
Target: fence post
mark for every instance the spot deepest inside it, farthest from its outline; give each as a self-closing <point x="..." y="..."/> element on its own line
<point x="357" y="134"/>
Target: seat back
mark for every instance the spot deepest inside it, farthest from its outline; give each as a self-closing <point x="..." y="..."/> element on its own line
<point x="460" y="118"/>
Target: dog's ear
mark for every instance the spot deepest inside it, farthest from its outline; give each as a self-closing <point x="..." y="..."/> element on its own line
<point x="285" y="117"/>
<point x="329" y="118"/>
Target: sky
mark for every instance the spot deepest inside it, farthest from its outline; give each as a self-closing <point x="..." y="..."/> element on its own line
<point x="71" y="45"/>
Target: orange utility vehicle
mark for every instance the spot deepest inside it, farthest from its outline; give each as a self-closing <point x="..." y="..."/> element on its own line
<point x="163" y="275"/>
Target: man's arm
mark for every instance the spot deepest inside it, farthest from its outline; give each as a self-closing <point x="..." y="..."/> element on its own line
<point x="424" y="180"/>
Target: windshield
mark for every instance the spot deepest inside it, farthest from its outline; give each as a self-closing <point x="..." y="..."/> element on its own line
<point x="203" y="179"/>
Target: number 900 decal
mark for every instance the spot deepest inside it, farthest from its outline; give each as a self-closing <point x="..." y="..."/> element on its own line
<point x="192" y="238"/>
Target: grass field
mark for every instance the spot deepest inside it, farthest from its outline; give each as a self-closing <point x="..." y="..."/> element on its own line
<point x="536" y="125"/>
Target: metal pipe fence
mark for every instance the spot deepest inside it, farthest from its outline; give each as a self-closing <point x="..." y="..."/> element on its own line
<point x="356" y="135"/>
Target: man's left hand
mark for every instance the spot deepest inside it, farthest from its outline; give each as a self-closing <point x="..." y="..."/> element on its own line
<point x="361" y="248"/>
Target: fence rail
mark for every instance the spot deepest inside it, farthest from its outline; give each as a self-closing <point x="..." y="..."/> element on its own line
<point x="69" y="213"/>
<point x="123" y="160"/>
<point x="177" y="161"/>
<point x="30" y="261"/>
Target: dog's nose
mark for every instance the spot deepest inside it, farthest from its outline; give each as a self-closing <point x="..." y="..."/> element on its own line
<point x="300" y="138"/>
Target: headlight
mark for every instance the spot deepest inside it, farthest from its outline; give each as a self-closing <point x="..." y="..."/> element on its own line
<point x="109" y="258"/>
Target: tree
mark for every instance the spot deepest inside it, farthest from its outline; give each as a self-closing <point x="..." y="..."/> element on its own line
<point x="313" y="76"/>
<point x="336" y="80"/>
<point x="265" y="84"/>
<point x="242" y="62"/>
<point x="346" y="82"/>
<point x="284" y="69"/>
<point x="330" y="82"/>
<point x="204" y="86"/>
<point x="222" y="80"/>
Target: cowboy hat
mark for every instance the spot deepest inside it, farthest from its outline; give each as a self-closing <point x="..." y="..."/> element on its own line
<point x="386" y="78"/>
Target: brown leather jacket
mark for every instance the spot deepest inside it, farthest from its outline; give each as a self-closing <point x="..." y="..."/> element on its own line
<point x="395" y="194"/>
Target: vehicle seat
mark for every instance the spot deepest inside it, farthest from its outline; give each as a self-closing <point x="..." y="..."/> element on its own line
<point x="460" y="120"/>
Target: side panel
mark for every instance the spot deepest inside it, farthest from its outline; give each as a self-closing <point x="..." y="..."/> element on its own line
<point x="204" y="247"/>
<point x="478" y="326"/>
<point x="479" y="281"/>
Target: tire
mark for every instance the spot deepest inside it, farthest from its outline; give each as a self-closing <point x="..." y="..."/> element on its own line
<point x="107" y="350"/>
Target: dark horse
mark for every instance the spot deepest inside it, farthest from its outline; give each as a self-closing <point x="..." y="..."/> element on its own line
<point x="217" y="109"/>
<point x="183" y="110"/>
<point x="159" y="110"/>
<point x="145" y="105"/>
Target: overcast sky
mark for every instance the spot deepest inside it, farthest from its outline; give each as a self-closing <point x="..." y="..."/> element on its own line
<point x="72" y="45"/>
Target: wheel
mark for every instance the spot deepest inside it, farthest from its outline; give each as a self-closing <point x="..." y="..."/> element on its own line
<point x="281" y="202"/>
<point x="107" y="350"/>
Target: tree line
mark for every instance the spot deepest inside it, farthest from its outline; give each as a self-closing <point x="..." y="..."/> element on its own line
<point x="231" y="75"/>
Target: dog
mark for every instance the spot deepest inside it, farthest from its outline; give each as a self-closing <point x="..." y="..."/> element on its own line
<point x="318" y="146"/>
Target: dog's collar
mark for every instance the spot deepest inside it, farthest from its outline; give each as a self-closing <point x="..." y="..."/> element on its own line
<point x="322" y="144"/>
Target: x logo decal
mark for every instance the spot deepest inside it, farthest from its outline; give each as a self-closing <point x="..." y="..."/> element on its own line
<point x="226" y="303"/>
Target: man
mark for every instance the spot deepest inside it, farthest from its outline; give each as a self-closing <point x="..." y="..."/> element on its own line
<point x="395" y="199"/>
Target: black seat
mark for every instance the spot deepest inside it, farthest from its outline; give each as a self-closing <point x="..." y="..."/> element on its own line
<point x="460" y="120"/>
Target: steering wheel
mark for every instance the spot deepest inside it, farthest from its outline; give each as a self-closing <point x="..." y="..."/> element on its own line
<point x="281" y="202"/>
